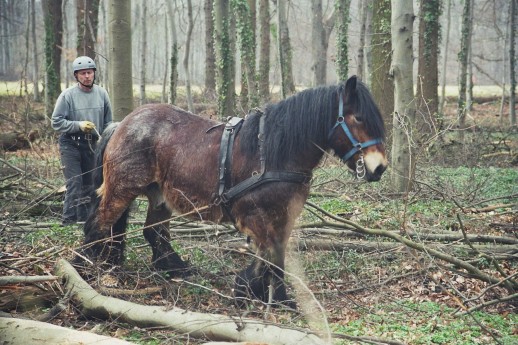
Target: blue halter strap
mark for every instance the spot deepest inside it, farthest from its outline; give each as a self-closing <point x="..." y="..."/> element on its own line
<point x="357" y="146"/>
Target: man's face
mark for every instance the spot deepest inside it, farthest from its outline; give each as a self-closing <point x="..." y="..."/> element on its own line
<point x="86" y="77"/>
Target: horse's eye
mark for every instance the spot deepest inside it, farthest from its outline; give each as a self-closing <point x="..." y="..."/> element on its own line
<point x="358" y="118"/>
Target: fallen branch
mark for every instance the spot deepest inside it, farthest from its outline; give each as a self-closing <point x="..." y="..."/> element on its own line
<point x="21" y="332"/>
<point x="198" y="325"/>
<point x="25" y="279"/>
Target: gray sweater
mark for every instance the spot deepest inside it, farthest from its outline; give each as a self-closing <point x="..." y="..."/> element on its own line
<point x="75" y="105"/>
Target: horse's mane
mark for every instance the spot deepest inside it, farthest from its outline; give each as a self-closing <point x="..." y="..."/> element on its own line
<point x="296" y="124"/>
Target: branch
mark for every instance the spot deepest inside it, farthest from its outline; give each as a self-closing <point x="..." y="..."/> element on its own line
<point x="199" y="325"/>
<point x="25" y="279"/>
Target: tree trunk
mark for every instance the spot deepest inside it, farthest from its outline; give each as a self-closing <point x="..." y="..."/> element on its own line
<point x="445" y="63"/>
<point x="173" y="78"/>
<point x="212" y="326"/>
<point x="225" y="81"/>
<point x="284" y="45"/>
<point x="187" y="55"/>
<point x="245" y="16"/>
<point x="264" y="51"/>
<point x="53" y="42"/>
<point x="342" y="56"/>
<point x="87" y="23"/>
<point x="463" y="61"/>
<point x="166" y="64"/>
<point x="210" y="55"/>
<point x="143" y="52"/>
<point x="404" y="108"/>
<point x="382" y="86"/>
<point x="469" y="76"/>
<point x="121" y="81"/>
<point x="320" y="32"/>
<point x="427" y="96"/>
<point x="512" y="64"/>
<point x="35" y="70"/>
<point x="363" y="7"/>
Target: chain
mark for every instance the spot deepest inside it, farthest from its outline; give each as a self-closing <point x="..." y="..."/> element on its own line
<point x="360" y="167"/>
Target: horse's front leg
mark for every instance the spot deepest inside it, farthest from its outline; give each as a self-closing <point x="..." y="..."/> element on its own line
<point x="266" y="270"/>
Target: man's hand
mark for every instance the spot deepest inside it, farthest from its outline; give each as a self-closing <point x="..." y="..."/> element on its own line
<point x="86" y="126"/>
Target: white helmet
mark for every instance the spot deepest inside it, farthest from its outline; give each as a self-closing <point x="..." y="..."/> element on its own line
<point x="83" y="62"/>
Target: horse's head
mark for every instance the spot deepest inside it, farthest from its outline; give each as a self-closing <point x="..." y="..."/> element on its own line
<point x="358" y="134"/>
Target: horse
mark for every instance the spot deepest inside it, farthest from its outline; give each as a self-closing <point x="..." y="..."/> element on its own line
<point x="254" y="172"/>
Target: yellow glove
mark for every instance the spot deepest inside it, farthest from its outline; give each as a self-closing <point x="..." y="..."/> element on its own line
<point x="86" y="126"/>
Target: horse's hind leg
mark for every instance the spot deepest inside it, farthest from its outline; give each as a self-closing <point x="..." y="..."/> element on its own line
<point x="156" y="232"/>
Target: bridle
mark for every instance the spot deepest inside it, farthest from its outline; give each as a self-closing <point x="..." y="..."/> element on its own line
<point x="357" y="146"/>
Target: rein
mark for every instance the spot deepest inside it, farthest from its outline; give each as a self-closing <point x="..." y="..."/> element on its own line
<point x="226" y="195"/>
<point x="357" y="146"/>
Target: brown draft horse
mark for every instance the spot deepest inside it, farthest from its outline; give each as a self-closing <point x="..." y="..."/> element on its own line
<point x="172" y="157"/>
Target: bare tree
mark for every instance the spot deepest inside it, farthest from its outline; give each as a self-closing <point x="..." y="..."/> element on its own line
<point x="512" y="63"/>
<point x="264" y="51"/>
<point x="35" y="69"/>
<point x="121" y="81"/>
<point x="463" y="61"/>
<point x="87" y="23"/>
<point x="342" y="41"/>
<point x="320" y="32"/>
<point x="173" y="78"/>
<point x="445" y="51"/>
<point x="225" y="81"/>
<point x="143" y="51"/>
<point x="404" y="107"/>
<point x="53" y="41"/>
<point x="210" y="55"/>
<point x="363" y="6"/>
<point x="187" y="54"/>
<point x="285" y="54"/>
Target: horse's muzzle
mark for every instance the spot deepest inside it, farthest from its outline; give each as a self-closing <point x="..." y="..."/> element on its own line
<point x="376" y="174"/>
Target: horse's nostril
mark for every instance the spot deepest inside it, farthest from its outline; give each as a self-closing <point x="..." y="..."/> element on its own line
<point x="379" y="170"/>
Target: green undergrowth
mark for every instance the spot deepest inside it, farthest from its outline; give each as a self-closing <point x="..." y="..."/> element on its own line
<point x="431" y="323"/>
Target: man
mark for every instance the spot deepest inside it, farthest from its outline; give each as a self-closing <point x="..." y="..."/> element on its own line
<point x="81" y="114"/>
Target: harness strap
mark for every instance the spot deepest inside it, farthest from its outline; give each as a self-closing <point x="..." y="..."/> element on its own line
<point x="260" y="179"/>
<point x="225" y="151"/>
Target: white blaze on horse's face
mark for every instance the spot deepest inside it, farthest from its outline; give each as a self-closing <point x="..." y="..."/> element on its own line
<point x="375" y="164"/>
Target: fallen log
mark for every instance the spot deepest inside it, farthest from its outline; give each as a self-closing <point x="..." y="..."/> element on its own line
<point x="21" y="332"/>
<point x="13" y="141"/>
<point x="199" y="325"/>
<point x="6" y="280"/>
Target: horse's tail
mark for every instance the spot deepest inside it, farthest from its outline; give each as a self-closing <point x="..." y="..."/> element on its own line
<point x="91" y="227"/>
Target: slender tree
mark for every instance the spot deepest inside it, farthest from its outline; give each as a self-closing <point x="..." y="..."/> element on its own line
<point x="187" y="54"/>
<point x="363" y="6"/>
<point x="512" y="63"/>
<point x="166" y="57"/>
<point x="404" y="107"/>
<point x="382" y="85"/>
<point x="427" y="97"/>
<point x="285" y="54"/>
<point x="121" y="81"/>
<point x="342" y="56"/>
<point x="173" y="78"/>
<point x="264" y="51"/>
<point x="87" y="15"/>
<point x="320" y="32"/>
<point x="246" y="34"/>
<point x="225" y="81"/>
<point x="210" y="54"/>
<point x="35" y="58"/>
<point x="143" y="52"/>
<point x="445" y="61"/>
<point x="463" y="61"/>
<point x="53" y="41"/>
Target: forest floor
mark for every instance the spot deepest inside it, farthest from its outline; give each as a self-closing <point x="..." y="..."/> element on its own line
<point x="367" y="286"/>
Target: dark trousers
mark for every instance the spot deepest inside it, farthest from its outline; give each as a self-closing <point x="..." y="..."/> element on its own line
<point x="77" y="160"/>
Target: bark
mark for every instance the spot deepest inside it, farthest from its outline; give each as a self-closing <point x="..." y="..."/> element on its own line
<point x="264" y="51"/>
<point x="285" y="53"/>
<point x="53" y="41"/>
<point x="119" y="37"/>
<point x="5" y="280"/>
<point x="445" y="51"/>
<point x="382" y="86"/>
<point x="463" y="61"/>
<point x="23" y="332"/>
<point x="363" y="9"/>
<point x="512" y="63"/>
<point x="166" y="64"/>
<point x="225" y="81"/>
<point x="404" y="108"/>
<point x="320" y="32"/>
<point x="210" y="55"/>
<point x="143" y="52"/>
<point x="87" y="15"/>
<point x="187" y="55"/>
<point x="35" y="69"/>
<point x="173" y="78"/>
<point x="427" y="96"/>
<point x="198" y="325"/>
<point x="342" y="55"/>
